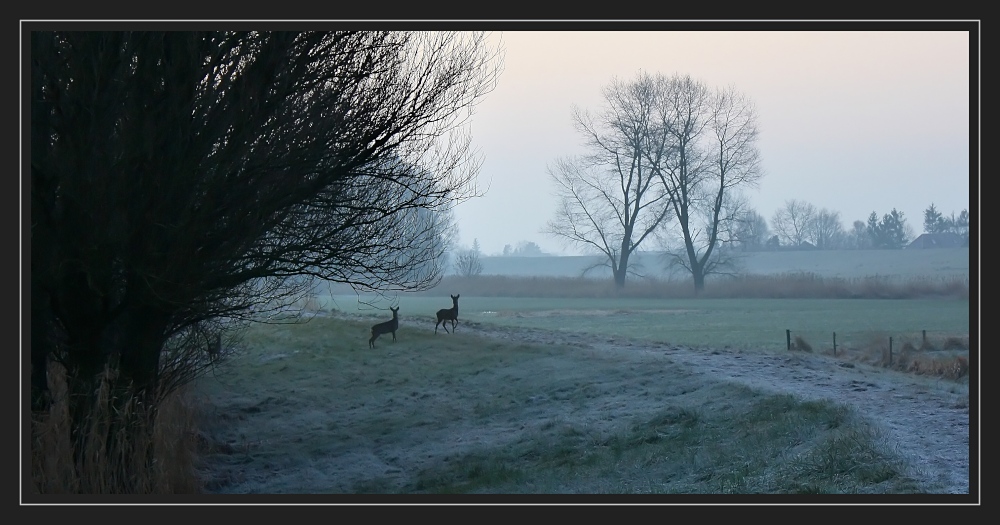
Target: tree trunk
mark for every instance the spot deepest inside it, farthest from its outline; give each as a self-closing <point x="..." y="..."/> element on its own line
<point x="113" y="391"/>
<point x="620" y="277"/>
<point x="112" y="358"/>
<point x="698" y="273"/>
<point x="40" y="349"/>
<point x="622" y="270"/>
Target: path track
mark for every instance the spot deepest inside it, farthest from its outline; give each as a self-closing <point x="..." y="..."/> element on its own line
<point x="927" y="419"/>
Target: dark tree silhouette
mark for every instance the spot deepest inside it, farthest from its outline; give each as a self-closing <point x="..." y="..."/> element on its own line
<point x="934" y="222"/>
<point x="610" y="200"/>
<point x="664" y="149"/>
<point x="712" y="154"/>
<point x="889" y="233"/>
<point x="183" y="178"/>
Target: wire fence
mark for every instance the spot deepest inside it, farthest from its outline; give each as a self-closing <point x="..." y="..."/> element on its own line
<point x="932" y="352"/>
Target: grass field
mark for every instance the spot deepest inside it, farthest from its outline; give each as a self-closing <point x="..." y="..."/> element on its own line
<point x="744" y="323"/>
<point x="309" y="409"/>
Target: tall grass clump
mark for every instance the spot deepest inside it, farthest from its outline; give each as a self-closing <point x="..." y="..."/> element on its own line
<point x="946" y="357"/>
<point x="125" y="446"/>
<point x="953" y="287"/>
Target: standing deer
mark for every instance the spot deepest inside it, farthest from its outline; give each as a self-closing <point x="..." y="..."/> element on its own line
<point x="448" y="314"/>
<point x="384" y="328"/>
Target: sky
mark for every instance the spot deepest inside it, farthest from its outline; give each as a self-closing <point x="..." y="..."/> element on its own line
<point x="853" y="121"/>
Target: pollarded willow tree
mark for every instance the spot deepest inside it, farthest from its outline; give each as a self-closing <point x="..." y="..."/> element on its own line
<point x="180" y="178"/>
<point x="709" y="155"/>
<point x="610" y="200"/>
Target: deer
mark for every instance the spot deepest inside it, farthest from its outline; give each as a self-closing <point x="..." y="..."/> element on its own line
<point x="385" y="327"/>
<point x="448" y="314"/>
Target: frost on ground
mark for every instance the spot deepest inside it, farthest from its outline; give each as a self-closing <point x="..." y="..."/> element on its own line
<point x="927" y="420"/>
<point x="347" y="443"/>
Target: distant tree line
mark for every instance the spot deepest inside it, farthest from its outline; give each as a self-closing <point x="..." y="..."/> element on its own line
<point x="798" y="225"/>
<point x="469" y="263"/>
<point x="523" y="249"/>
<point x="935" y="222"/>
<point x="665" y="161"/>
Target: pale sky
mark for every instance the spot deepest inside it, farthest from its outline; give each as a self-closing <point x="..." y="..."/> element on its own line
<point x="851" y="121"/>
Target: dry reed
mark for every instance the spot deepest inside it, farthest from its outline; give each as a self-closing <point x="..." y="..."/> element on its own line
<point x="127" y="446"/>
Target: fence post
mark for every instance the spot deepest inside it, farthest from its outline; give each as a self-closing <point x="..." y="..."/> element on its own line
<point x="924" y="343"/>
<point x="835" y="344"/>
<point x="890" y="351"/>
<point x="788" y="339"/>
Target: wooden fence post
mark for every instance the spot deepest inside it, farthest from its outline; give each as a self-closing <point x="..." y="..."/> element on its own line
<point x="890" y="351"/>
<point x="835" y="344"/>
<point x="788" y="339"/>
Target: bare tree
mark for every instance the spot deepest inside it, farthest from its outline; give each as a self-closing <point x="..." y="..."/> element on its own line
<point x="827" y="230"/>
<point x="709" y="146"/>
<point x="794" y="223"/>
<point x="469" y="262"/>
<point x="609" y="200"/>
<point x="725" y="257"/>
<point x="180" y="178"/>
<point x="752" y="231"/>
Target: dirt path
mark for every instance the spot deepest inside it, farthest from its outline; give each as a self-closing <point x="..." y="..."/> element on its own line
<point x="927" y="419"/>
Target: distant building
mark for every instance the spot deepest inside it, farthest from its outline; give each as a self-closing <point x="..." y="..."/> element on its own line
<point x="937" y="240"/>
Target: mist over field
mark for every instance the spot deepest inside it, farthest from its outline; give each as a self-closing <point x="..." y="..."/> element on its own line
<point x="847" y="264"/>
<point x="273" y="307"/>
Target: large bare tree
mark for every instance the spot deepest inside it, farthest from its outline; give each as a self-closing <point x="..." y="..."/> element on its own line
<point x="610" y="199"/>
<point x="709" y="141"/>
<point x="180" y="178"/>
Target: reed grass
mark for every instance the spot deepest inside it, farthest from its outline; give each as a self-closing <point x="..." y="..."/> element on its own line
<point x="781" y="286"/>
<point x="125" y="447"/>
